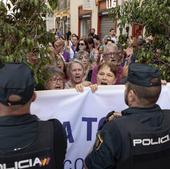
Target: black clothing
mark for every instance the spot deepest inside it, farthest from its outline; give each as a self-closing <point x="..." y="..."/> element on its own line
<point x="89" y="76"/>
<point x="12" y="82"/>
<point x="68" y="35"/>
<point x="143" y="75"/>
<point x="138" y="139"/>
<point x="26" y="134"/>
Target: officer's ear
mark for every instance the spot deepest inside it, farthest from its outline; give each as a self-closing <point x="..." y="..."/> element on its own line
<point x="34" y="96"/>
<point x="132" y="98"/>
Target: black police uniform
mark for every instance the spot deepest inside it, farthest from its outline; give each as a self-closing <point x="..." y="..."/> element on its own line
<point x="140" y="139"/>
<point x="126" y="142"/>
<point x="26" y="142"/>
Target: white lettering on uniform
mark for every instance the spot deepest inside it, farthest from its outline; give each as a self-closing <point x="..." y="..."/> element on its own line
<point x="151" y="141"/>
<point x="137" y="141"/>
<point x="5" y="167"/>
<point x="37" y="161"/>
<point x="165" y="139"/>
<point x="146" y="142"/>
<point x="16" y="165"/>
<point x="28" y="163"/>
<point x="23" y="164"/>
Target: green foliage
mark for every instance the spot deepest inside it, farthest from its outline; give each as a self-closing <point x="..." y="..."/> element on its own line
<point x="23" y="29"/>
<point x="53" y="3"/>
<point x="154" y="16"/>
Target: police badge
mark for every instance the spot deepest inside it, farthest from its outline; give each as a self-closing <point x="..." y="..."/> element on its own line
<point x="99" y="141"/>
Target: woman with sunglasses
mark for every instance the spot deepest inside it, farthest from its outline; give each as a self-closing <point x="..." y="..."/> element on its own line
<point x="83" y="45"/>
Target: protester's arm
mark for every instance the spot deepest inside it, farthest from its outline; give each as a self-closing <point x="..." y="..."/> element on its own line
<point x="163" y="82"/>
<point x="110" y="116"/>
<point x="93" y="87"/>
<point x="80" y="87"/>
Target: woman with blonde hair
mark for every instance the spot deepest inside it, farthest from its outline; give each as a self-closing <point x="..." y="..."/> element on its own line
<point x="75" y="72"/>
<point x="84" y="58"/>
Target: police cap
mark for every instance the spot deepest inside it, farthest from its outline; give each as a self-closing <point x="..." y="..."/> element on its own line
<point x="143" y="75"/>
<point x="16" y="79"/>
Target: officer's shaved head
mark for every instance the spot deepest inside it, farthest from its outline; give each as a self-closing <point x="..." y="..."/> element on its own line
<point x="146" y="95"/>
<point x="144" y="83"/>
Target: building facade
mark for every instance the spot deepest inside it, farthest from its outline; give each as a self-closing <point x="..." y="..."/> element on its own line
<point x="86" y="14"/>
<point x="105" y="22"/>
<point x="79" y="16"/>
<point x="62" y="16"/>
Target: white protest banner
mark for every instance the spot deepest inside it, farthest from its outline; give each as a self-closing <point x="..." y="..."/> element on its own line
<point x="81" y="113"/>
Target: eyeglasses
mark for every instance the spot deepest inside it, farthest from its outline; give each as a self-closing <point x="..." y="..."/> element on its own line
<point x="111" y="54"/>
<point x="82" y="44"/>
<point x="56" y="79"/>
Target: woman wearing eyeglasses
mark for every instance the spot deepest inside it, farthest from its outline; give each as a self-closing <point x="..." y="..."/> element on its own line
<point x="54" y="78"/>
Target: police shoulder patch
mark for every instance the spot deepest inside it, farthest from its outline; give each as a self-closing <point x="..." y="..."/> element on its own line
<point x="99" y="141"/>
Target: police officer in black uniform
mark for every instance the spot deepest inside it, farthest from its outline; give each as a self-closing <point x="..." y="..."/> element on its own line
<point x="140" y="138"/>
<point x="25" y="141"/>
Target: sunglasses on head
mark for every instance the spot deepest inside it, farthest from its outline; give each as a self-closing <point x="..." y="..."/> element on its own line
<point x="74" y="35"/>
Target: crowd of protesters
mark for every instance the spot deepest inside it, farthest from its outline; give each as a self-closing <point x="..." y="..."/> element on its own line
<point x="87" y="61"/>
<point x="77" y="63"/>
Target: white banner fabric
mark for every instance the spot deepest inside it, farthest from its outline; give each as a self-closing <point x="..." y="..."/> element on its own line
<point x="81" y="113"/>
